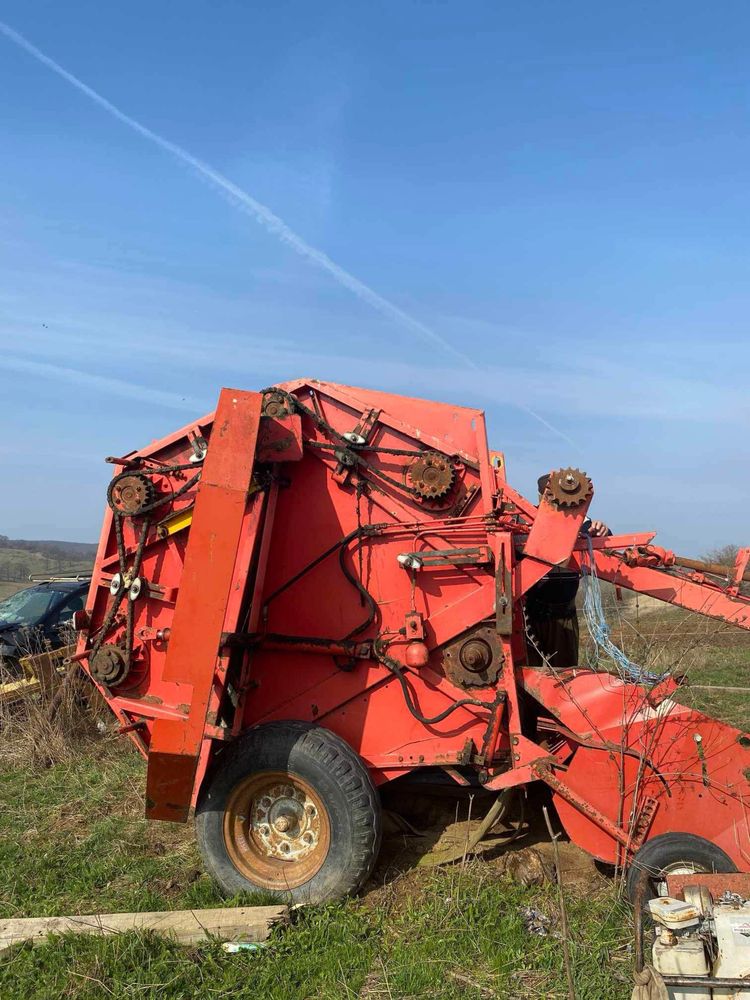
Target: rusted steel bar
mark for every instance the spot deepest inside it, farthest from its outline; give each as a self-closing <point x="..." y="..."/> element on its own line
<point x="680" y="591"/>
<point x="716" y="569"/>
<point x="602" y="821"/>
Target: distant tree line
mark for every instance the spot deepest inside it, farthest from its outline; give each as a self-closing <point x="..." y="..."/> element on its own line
<point x="15" y="572"/>
<point x="20" y="557"/>
<point x="51" y="549"/>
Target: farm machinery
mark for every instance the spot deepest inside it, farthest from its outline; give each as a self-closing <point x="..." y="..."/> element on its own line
<point x="319" y="589"/>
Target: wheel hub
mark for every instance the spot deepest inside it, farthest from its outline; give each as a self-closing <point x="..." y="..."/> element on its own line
<point x="276" y="830"/>
<point x="676" y="868"/>
<point x="287" y="822"/>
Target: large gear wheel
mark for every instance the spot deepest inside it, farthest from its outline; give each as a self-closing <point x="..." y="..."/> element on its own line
<point x="109" y="665"/>
<point x="274" y="405"/>
<point x="431" y="475"/>
<point x="129" y="494"/>
<point x="569" y="488"/>
<point x="474" y="659"/>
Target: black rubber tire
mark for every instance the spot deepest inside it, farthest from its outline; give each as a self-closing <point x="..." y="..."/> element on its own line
<point x="669" y="849"/>
<point x="337" y="775"/>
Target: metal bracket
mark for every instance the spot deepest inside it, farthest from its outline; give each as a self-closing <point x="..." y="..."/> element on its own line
<point x="643" y="822"/>
<point x="740" y="566"/>
<point x="363" y="430"/>
<point x="503" y="596"/>
<point x="414" y="625"/>
<point x="477" y="555"/>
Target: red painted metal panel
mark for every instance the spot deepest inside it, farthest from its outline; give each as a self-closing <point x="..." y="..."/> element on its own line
<point x="202" y="603"/>
<point x="550" y="542"/>
<point x="695" y="595"/>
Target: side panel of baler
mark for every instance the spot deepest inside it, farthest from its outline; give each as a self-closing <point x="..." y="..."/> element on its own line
<point x="645" y="763"/>
<point x="311" y="589"/>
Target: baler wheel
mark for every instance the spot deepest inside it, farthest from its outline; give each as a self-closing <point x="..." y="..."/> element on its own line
<point x="290" y="809"/>
<point x="672" y="854"/>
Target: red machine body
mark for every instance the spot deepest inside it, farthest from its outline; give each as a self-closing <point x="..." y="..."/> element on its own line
<point x="357" y="560"/>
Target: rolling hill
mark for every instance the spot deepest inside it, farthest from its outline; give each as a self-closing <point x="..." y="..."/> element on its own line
<point x="21" y="558"/>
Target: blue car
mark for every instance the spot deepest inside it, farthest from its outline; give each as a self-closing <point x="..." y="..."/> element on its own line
<point x="36" y="618"/>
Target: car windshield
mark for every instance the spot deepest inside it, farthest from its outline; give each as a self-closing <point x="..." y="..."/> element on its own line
<point x="27" y="606"/>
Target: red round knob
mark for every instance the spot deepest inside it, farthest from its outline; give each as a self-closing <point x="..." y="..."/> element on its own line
<point x="417" y="654"/>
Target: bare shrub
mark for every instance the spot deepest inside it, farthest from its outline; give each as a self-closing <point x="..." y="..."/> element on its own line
<point x="51" y="721"/>
<point x="724" y="555"/>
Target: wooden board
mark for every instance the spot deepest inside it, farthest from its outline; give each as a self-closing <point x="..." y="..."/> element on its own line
<point x="249" y="923"/>
<point x="45" y="667"/>
<point x="17" y="690"/>
<point x="43" y="672"/>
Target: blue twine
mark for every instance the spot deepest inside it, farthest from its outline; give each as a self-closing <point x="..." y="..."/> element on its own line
<point x="593" y="613"/>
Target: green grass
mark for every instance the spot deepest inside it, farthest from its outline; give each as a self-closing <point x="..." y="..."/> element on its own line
<point x="725" y="669"/>
<point x="72" y="840"/>
<point x="464" y="939"/>
<point x="84" y="846"/>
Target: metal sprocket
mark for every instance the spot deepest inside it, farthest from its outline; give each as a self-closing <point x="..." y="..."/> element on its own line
<point x="131" y="493"/>
<point x="431" y="475"/>
<point x="568" y="488"/>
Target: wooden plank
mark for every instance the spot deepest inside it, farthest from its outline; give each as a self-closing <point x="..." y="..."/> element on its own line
<point x="17" y="690"/>
<point x="249" y="923"/>
<point x="46" y="667"/>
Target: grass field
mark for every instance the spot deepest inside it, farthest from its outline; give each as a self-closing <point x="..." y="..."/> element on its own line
<point x="72" y="840"/>
<point x="21" y="559"/>
<point x="713" y="657"/>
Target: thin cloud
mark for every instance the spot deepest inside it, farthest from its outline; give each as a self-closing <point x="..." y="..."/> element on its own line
<point x="100" y="383"/>
<point x="244" y="202"/>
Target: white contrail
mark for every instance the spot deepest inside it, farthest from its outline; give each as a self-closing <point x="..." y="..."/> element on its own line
<point x="262" y="214"/>
<point x="245" y="201"/>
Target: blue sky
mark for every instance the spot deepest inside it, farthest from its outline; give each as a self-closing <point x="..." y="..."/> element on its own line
<point x="547" y="202"/>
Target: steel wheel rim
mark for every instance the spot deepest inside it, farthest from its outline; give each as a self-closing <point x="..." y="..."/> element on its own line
<point x="277" y="831"/>
<point x="676" y="868"/>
